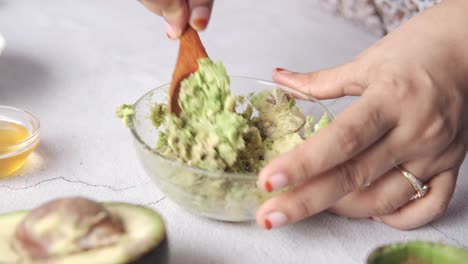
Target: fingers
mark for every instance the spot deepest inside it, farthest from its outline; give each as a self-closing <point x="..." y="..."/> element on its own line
<point x="313" y="197"/>
<point x="427" y="209"/>
<point x="341" y="141"/>
<point x="392" y="191"/>
<point x="175" y="12"/>
<point x="152" y="5"/>
<point x="384" y="196"/>
<point x="325" y="84"/>
<point x="320" y="192"/>
<point x="178" y="13"/>
<point x="200" y="12"/>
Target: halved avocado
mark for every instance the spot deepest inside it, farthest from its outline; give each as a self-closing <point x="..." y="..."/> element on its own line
<point x="142" y="242"/>
<point x="418" y="252"/>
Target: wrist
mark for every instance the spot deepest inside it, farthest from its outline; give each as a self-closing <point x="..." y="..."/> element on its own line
<point x="457" y="38"/>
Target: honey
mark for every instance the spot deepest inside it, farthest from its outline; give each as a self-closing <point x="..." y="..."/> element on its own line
<point x="11" y="156"/>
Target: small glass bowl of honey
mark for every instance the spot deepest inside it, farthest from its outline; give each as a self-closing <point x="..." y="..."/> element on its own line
<point x="19" y="136"/>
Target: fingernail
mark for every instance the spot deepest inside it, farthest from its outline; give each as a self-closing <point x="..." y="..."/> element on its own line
<point x="275" y="219"/>
<point x="375" y="219"/>
<point x="170" y="31"/>
<point x="275" y="182"/>
<point x="281" y="70"/>
<point x="199" y="17"/>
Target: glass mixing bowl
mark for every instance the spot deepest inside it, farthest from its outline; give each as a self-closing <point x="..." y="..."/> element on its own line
<point x="218" y="195"/>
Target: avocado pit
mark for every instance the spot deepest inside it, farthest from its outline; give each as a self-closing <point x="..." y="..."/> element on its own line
<point x="66" y="226"/>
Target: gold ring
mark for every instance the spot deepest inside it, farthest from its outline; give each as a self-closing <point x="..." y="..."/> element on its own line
<point x="420" y="188"/>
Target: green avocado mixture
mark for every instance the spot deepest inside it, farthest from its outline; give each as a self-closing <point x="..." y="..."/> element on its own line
<point x="221" y="132"/>
<point x="211" y="134"/>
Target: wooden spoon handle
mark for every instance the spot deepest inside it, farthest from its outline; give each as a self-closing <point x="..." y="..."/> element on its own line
<point x="190" y="50"/>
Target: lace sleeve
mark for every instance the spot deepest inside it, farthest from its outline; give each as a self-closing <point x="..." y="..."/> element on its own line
<point x="396" y="12"/>
<point x="378" y="16"/>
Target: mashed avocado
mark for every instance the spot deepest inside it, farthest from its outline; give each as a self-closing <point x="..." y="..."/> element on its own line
<point x="222" y="132"/>
<point x="211" y="133"/>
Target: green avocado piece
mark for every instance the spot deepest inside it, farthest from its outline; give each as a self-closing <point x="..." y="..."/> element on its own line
<point x="418" y="252"/>
<point x="124" y="112"/>
<point x="143" y="241"/>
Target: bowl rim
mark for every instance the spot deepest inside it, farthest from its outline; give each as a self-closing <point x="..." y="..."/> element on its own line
<point x="32" y="137"/>
<point x="216" y="174"/>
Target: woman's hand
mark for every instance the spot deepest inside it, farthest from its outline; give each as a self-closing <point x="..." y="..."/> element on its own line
<point x="413" y="112"/>
<point x="179" y="13"/>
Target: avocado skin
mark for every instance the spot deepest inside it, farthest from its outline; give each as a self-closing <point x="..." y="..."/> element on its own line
<point x="158" y="255"/>
<point x="419" y="252"/>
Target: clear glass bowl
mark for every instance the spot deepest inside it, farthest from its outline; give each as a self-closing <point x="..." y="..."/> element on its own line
<point x="13" y="156"/>
<point x="217" y="195"/>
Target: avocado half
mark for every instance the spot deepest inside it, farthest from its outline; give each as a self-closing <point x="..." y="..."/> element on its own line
<point x="144" y="240"/>
<point x="418" y="252"/>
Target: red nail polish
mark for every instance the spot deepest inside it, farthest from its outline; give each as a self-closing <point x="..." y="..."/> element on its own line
<point x="268" y="224"/>
<point x="279" y="69"/>
<point x="268" y="186"/>
<point x="200" y="23"/>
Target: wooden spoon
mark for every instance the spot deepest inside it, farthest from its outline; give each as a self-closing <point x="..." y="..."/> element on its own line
<point x="190" y="50"/>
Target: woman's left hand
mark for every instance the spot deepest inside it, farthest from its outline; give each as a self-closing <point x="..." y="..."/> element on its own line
<point x="413" y="113"/>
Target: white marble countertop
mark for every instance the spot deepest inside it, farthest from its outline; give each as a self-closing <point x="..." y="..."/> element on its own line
<point x="72" y="62"/>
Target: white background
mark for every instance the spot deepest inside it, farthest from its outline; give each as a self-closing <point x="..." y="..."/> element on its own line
<point x="72" y="62"/>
